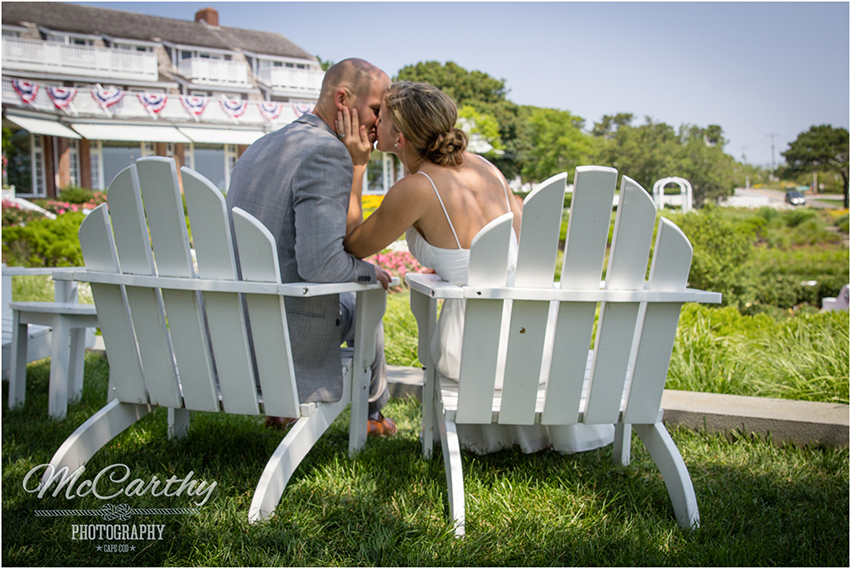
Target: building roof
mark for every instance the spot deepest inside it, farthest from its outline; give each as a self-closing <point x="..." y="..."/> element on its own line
<point x="66" y="17"/>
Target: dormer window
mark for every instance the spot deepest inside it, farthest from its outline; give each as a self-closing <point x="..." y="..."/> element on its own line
<point x="68" y="38"/>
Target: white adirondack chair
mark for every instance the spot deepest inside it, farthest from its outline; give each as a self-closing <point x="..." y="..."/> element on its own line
<point x="40" y="336"/>
<point x="548" y="376"/>
<point x="154" y="316"/>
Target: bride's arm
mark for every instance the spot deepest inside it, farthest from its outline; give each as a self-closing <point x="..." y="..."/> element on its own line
<point x="402" y="206"/>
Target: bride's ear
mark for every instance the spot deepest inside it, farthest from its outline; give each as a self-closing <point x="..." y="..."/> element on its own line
<point x="400" y="142"/>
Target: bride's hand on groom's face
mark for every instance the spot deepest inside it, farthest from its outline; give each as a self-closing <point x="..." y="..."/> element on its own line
<point x="354" y="136"/>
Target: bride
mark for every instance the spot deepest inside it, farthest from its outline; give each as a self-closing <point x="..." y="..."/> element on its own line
<point x="447" y="198"/>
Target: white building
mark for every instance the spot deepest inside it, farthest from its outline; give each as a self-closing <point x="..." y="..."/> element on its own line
<point x="86" y="91"/>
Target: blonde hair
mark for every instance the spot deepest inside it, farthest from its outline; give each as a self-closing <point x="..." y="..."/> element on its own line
<point x="426" y="116"/>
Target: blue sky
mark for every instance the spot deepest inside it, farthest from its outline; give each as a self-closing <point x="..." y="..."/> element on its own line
<point x="754" y="68"/>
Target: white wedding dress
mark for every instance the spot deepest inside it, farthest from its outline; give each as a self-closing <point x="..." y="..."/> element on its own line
<point x="452" y="265"/>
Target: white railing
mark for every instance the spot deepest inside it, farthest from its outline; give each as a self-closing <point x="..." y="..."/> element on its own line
<point x="214" y="71"/>
<point x="31" y="55"/>
<point x="307" y="82"/>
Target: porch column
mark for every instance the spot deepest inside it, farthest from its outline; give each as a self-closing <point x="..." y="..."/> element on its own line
<point x="85" y="164"/>
<point x="63" y="161"/>
<point x="49" y="165"/>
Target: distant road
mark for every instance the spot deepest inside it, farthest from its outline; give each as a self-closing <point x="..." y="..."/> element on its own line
<point x="813" y="201"/>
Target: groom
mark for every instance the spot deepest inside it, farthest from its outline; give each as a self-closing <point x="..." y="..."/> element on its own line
<point x="297" y="182"/>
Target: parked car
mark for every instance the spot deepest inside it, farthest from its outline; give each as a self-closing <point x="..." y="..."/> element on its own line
<point x="794" y="197"/>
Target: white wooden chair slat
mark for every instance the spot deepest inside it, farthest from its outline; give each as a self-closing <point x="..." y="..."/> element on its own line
<point x="481" y="334"/>
<point x="259" y="262"/>
<point x="488" y="264"/>
<point x="131" y="240"/>
<point x="587" y="231"/>
<point x="619" y="381"/>
<point x="144" y="310"/>
<point x="569" y="363"/>
<point x="541" y="226"/>
<point x="257" y="251"/>
<point x="632" y="238"/>
<point x="669" y="271"/>
<point x="98" y="248"/>
<point x="488" y="253"/>
<point x="166" y="218"/>
<point x="523" y="362"/>
<point x="148" y="320"/>
<point x="612" y="351"/>
<point x="134" y="251"/>
<point x="538" y="251"/>
<point x="671" y="262"/>
<point x="191" y="349"/>
<point x="627" y="262"/>
<point x="210" y="229"/>
<point x="226" y="319"/>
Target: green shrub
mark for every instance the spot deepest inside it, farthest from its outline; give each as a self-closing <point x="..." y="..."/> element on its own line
<point x="795" y="217"/>
<point x="722" y="251"/>
<point x="77" y="195"/>
<point x="44" y="242"/>
<point x="843" y="223"/>
<point x="14" y="216"/>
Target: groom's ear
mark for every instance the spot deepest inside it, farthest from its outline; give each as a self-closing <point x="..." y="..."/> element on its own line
<point x="341" y="99"/>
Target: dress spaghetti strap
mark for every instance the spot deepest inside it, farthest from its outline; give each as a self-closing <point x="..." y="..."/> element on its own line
<point x="440" y="199"/>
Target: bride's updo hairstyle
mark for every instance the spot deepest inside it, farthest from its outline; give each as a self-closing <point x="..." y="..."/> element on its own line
<point x="426" y="116"/>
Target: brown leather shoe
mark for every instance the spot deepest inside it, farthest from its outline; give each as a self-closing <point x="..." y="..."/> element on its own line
<point x="382" y="427"/>
<point x="278" y="422"/>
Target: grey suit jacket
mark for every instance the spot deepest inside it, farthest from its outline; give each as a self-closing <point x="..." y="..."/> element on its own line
<point x="297" y="182"/>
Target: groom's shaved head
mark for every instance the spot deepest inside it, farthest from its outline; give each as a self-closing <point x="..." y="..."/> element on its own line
<point x="353" y="75"/>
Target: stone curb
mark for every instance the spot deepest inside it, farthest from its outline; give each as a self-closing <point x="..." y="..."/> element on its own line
<point x="783" y="421"/>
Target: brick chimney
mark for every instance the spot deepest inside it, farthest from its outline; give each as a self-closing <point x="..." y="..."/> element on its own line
<point x="208" y="15"/>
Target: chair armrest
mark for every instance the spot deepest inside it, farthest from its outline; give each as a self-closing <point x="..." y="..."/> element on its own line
<point x="433" y="286"/>
<point x="610" y="296"/>
<point x="300" y="289"/>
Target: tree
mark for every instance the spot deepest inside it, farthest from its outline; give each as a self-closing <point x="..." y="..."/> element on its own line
<point x="325" y="63"/>
<point x="557" y="144"/>
<point x="482" y="126"/>
<point x="821" y="148"/>
<point x="486" y="95"/>
<point x="703" y="162"/>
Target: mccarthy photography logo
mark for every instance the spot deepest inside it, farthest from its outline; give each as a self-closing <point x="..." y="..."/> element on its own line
<point x="113" y="482"/>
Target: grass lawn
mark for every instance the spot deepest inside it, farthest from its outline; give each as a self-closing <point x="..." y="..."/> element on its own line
<point x="759" y="505"/>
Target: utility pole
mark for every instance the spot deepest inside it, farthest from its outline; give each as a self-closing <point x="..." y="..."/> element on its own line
<point x="772" y="152"/>
<point x="744" y="154"/>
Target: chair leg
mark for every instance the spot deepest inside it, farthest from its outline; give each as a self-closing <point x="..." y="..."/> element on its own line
<point x="76" y="362"/>
<point x="18" y="369"/>
<point x="178" y="422"/>
<point x="454" y="474"/>
<point x="96" y="432"/>
<point x="292" y="449"/>
<point x="60" y="372"/>
<point x="666" y="456"/>
<point x="622" y="443"/>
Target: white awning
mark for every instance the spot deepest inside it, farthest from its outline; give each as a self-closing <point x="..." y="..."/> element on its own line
<point x="221" y="135"/>
<point x="130" y="132"/>
<point x="39" y="126"/>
